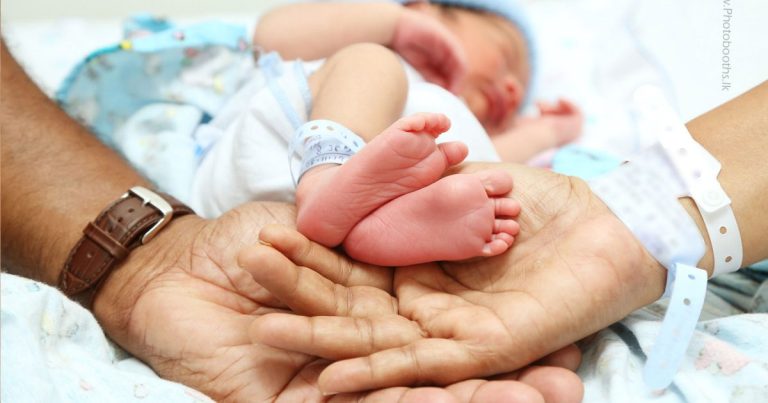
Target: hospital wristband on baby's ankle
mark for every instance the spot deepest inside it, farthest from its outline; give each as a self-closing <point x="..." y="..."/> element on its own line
<point x="321" y="142"/>
<point x="643" y="194"/>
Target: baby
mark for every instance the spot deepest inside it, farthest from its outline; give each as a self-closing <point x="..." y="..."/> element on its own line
<point x="381" y="199"/>
<point x="480" y="50"/>
<point x="178" y="96"/>
<point x="388" y="198"/>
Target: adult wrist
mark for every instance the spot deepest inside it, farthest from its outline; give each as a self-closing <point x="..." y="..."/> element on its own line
<point x="134" y="219"/>
<point x="670" y="196"/>
<point x="736" y="137"/>
<point x="124" y="286"/>
<point x="694" y="173"/>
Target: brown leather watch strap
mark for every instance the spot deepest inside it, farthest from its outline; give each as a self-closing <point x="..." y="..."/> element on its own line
<point x="125" y="224"/>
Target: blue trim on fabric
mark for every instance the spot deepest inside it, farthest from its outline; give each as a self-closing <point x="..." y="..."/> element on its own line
<point x="586" y="163"/>
<point x="210" y="33"/>
<point x="303" y="84"/>
<point x="762" y="266"/>
<point x="200" y="152"/>
<point x="271" y="65"/>
<point x="203" y="34"/>
<point x="61" y="94"/>
<point x="146" y="22"/>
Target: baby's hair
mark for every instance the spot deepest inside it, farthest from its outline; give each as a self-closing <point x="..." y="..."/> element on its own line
<point x="447" y="10"/>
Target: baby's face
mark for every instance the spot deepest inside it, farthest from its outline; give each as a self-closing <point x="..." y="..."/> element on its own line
<point x="498" y="70"/>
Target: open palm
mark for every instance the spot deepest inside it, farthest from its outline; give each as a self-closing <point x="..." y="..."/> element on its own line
<point x="575" y="268"/>
<point x="187" y="309"/>
<point x="184" y="304"/>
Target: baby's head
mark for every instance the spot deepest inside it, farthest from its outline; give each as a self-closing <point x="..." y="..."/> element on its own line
<point x="497" y="43"/>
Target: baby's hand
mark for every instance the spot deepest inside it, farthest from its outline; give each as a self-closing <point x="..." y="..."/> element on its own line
<point x="565" y="118"/>
<point x="431" y="49"/>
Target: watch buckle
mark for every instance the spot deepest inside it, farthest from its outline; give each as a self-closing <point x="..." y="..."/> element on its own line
<point x="156" y="201"/>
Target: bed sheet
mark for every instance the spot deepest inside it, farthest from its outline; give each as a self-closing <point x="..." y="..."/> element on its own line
<point x="598" y="52"/>
<point x="50" y="49"/>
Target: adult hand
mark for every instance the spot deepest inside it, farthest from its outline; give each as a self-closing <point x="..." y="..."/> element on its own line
<point x="431" y="49"/>
<point x="310" y="279"/>
<point x="183" y="303"/>
<point x="574" y="269"/>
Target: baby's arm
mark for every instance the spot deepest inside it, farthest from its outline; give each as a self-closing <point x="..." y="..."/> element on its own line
<point x="318" y="30"/>
<point x="558" y="124"/>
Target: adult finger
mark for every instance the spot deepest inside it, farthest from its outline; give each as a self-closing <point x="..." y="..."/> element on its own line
<point x="557" y="385"/>
<point x="470" y="391"/>
<point x="334" y="337"/>
<point x="398" y="394"/>
<point x="421" y="362"/>
<point x="481" y="390"/>
<point x="303" y="388"/>
<point x="568" y="357"/>
<point x="464" y="338"/>
<point x="333" y="266"/>
<point x="309" y="293"/>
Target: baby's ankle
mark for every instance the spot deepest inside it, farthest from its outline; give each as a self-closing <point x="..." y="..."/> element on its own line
<point x="311" y="181"/>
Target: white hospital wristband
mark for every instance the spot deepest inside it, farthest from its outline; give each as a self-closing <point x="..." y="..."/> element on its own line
<point x="698" y="169"/>
<point x="644" y="195"/>
<point x="321" y="142"/>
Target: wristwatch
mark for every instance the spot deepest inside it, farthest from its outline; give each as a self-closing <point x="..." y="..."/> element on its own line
<point x="130" y="221"/>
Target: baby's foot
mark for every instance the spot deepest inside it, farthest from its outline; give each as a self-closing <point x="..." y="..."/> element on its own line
<point x="455" y="218"/>
<point x="403" y="158"/>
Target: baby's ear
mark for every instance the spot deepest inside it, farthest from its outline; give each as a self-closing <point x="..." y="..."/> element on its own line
<point x="515" y="92"/>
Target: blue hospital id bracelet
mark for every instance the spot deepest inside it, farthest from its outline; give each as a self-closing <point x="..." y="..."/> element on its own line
<point x="689" y="288"/>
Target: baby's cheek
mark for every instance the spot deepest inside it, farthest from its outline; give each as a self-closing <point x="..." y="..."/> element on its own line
<point x="507" y="123"/>
<point x="478" y="104"/>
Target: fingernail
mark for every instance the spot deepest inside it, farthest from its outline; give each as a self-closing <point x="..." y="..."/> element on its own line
<point x="486" y="250"/>
<point x="265" y="243"/>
